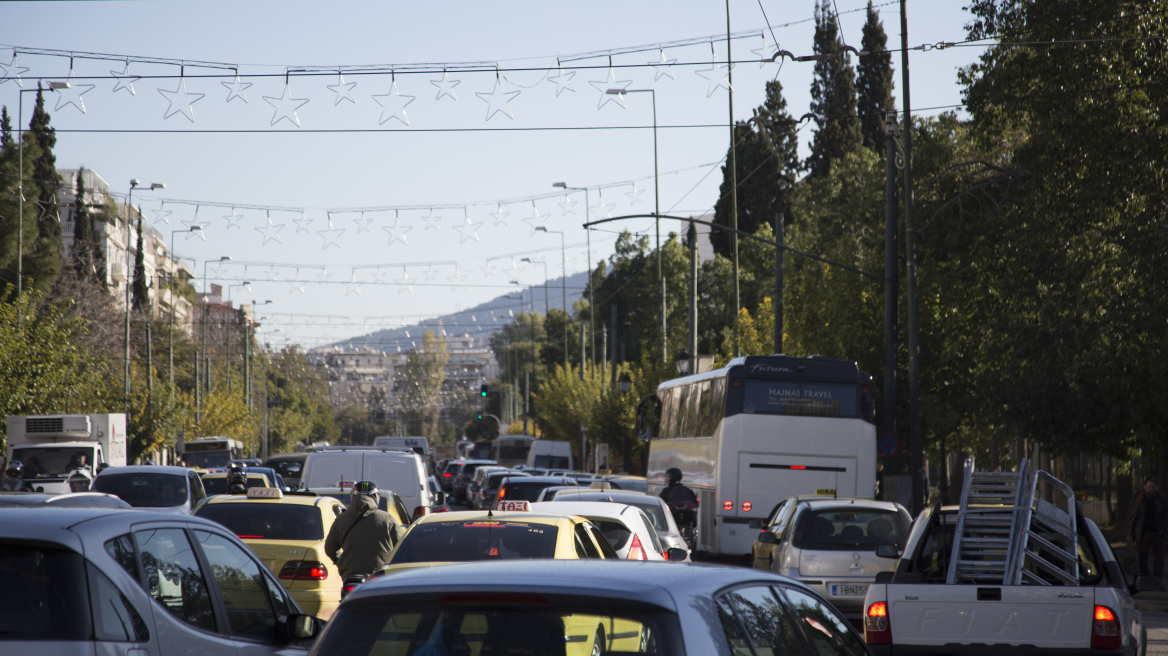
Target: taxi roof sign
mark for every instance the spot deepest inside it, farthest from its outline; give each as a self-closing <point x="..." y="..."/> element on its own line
<point x="264" y="493"/>
<point x="518" y="505"/>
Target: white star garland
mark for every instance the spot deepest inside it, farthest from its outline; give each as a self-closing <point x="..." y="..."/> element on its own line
<point x="285" y="107"/>
<point x="162" y="214"/>
<point x="236" y="89"/>
<point x="717" y="75"/>
<point x="431" y="220"/>
<point x="124" y="80"/>
<point x="499" y="216"/>
<point x="611" y="83"/>
<point x="467" y="231"/>
<point x="72" y="95"/>
<point x="181" y="102"/>
<point x="563" y="80"/>
<point x="233" y="219"/>
<point x="635" y="195"/>
<point x="663" y="67"/>
<point x="302" y="223"/>
<point x="567" y="205"/>
<point x="271" y="232"/>
<point x="363" y="224"/>
<point x="12" y="72"/>
<point x="498" y="101"/>
<point x="446" y="87"/>
<point x="331" y="235"/>
<point x="397" y="233"/>
<point x="536" y="219"/>
<point x="344" y="90"/>
<point x="394" y="105"/>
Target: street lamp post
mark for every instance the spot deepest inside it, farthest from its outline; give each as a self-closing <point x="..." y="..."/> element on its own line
<point x="591" y="291"/>
<point x="54" y="85"/>
<point x="625" y="384"/>
<point x="542" y="263"/>
<point x="563" y="279"/>
<point x="170" y="283"/>
<point x="656" y="212"/>
<point x="129" y="215"/>
<point x="227" y="338"/>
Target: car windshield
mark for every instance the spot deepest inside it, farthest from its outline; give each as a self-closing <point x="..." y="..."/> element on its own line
<point x="850" y="528"/>
<point x="632" y="484"/>
<point x="267" y="521"/>
<point x="207" y="459"/>
<point x="516" y="490"/>
<point x="476" y="623"/>
<point x="144" y="489"/>
<point x="52" y="461"/>
<point x="218" y="484"/>
<point x="461" y="541"/>
<point x="290" y="469"/>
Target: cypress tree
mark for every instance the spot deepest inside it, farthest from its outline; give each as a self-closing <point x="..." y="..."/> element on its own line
<point x="141" y="289"/>
<point x="833" y="96"/>
<point x="874" y="82"/>
<point x="45" y="255"/>
<point x="83" y="238"/>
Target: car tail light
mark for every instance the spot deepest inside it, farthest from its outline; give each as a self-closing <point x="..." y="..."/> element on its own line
<point x="876" y="628"/>
<point x="637" y="552"/>
<point x="447" y="475"/>
<point x="304" y="570"/>
<point x="502" y="492"/>
<point x="746" y="506"/>
<point x="347" y="588"/>
<point x="1105" y="630"/>
<point x="421" y="511"/>
<point x="441" y="510"/>
<point x="728" y="505"/>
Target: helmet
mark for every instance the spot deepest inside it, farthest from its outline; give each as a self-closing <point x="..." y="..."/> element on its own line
<point x="15" y="469"/>
<point x="237" y="479"/>
<point x="366" y="488"/>
<point x="673" y="475"/>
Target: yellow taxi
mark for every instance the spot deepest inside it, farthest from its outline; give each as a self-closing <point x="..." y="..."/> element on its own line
<point x="287" y="532"/>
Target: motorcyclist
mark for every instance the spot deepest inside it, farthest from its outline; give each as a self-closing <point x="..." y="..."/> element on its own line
<point x="675" y="493"/>
<point x="236" y="480"/>
<point x="13" y="479"/>
<point x="364" y="535"/>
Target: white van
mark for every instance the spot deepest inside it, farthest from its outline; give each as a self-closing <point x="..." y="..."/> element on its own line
<point x="547" y="454"/>
<point x="418" y="445"/>
<point x="404" y="472"/>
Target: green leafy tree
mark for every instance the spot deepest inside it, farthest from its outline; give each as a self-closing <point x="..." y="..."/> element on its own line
<point x="420" y="390"/>
<point x="833" y="96"/>
<point x="874" y="82"/>
<point x="562" y="344"/>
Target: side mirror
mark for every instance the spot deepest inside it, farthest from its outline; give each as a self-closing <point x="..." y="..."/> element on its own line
<point x="1147" y="583"/>
<point x="299" y="627"/>
<point x="688" y="533"/>
<point x="675" y="554"/>
<point x="756" y="523"/>
<point x="440" y="498"/>
<point x="887" y="551"/>
<point x="766" y="537"/>
<point x="884" y="577"/>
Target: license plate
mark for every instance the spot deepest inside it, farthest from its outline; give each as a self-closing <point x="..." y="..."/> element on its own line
<point x="849" y="589"/>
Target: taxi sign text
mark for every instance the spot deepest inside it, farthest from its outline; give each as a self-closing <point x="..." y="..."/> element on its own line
<point x="265" y="493"/>
<point x="513" y="506"/>
<point x="346" y="484"/>
<point x="825" y="491"/>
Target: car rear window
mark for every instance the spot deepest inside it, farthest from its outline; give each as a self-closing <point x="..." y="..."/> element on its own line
<point x="615" y="532"/>
<point x="461" y="541"/>
<point x="218" y="484"/>
<point x="144" y="489"/>
<point x="850" y="528"/>
<point x="42" y="594"/>
<point x="266" y="521"/>
<point x="523" y="490"/>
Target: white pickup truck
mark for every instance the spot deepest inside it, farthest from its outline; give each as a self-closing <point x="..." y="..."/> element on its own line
<point x="920" y="608"/>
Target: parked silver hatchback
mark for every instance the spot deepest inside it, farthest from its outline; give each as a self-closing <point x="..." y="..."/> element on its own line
<point x="128" y="582"/>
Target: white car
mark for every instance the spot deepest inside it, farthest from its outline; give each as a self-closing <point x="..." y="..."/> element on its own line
<point x="654" y="508"/>
<point x="154" y="487"/>
<point x="625" y="527"/>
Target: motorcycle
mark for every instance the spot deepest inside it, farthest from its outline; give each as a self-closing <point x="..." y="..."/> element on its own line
<point x="351" y="582"/>
<point x="686" y="516"/>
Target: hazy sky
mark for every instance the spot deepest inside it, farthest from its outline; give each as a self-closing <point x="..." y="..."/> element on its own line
<point x="358" y="163"/>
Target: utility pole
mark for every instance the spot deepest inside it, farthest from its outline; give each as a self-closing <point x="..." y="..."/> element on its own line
<point x="149" y="370"/>
<point x="614" y="342"/>
<point x="198" y="386"/>
<point x="914" y="365"/>
<point x="692" y="237"/>
<point x="891" y="267"/>
<point x="778" y="302"/>
<point x="734" y="180"/>
<point x="603" y="356"/>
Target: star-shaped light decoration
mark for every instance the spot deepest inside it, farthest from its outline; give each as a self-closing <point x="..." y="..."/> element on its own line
<point x="717" y="74"/>
<point x="468" y="230"/>
<point x="635" y="195"/>
<point x="431" y="220"/>
<point x="363" y="224"/>
<point x="499" y="216"/>
<point x="285" y="107"/>
<point x="536" y="219"/>
<point x="181" y="101"/>
<point x="563" y="80"/>
<point x="379" y="277"/>
<point x="761" y="53"/>
<point x="72" y="95"/>
<point x="498" y="101"/>
<point x="430" y="275"/>
<point x="218" y="269"/>
<point x="331" y="235"/>
<point x="302" y="223"/>
<point x="271" y="232"/>
<point x="352" y="287"/>
<point x="394" y="104"/>
<point x="603" y="210"/>
<point x="567" y="205"/>
<point x="663" y="66"/>
<point x="194" y="220"/>
<point x="196" y="230"/>
<point x="323" y="276"/>
<point x="296" y="285"/>
<point x="49" y="210"/>
<point x="446" y="87"/>
<point x="344" y="90"/>
<point x="611" y="83"/>
<point x="271" y="274"/>
<point x="458" y="280"/>
<point x="405" y="283"/>
<point x="236" y="88"/>
<point x="233" y="219"/>
<point x="124" y="80"/>
<point x="162" y="214"/>
<point x="12" y="71"/>
<point x="488" y="269"/>
<point x="396" y="232"/>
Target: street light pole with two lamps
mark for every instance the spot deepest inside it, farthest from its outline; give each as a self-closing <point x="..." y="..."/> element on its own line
<point x="173" y="292"/>
<point x="126" y="272"/>
<point x="591" y="292"/>
<point x="563" y="279"/>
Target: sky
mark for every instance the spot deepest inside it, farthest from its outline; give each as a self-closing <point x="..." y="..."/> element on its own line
<point x="353" y="219"/>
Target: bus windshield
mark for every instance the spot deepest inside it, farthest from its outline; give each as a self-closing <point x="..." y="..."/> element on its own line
<point x="207" y="459"/>
<point x="813" y="399"/>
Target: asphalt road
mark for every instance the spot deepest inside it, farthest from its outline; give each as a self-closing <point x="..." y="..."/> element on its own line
<point x="1156" y="622"/>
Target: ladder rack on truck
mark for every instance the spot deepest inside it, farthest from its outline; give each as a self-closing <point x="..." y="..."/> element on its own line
<point x="1006" y="534"/>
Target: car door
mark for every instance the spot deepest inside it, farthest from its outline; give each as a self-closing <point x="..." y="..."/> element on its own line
<point x="755" y="622"/>
<point x="764" y="552"/>
<point x="821" y="625"/>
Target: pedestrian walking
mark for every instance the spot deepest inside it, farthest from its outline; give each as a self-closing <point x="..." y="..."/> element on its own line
<point x="1147" y="525"/>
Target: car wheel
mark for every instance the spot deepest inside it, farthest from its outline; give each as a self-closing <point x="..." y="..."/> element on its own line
<point x="598" y="642"/>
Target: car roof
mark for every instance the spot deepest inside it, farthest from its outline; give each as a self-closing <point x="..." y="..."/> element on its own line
<point x="529" y="480"/>
<point x="499" y="516"/>
<point x="823" y="504"/>
<point x="666" y="585"/>
<point x="145" y="469"/>
<point x="618" y="496"/>
<point x="14" y="522"/>
<point x="584" y="508"/>
<point x="285" y="457"/>
<point x="45" y="499"/>
<point x="251" y="474"/>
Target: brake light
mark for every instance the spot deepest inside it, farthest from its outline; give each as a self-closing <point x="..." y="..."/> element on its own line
<point x="250" y="537"/>
<point x="304" y="570"/>
<point x="637" y="552"/>
<point x="798" y="467"/>
<point x="876" y="628"/>
<point x="728" y="505"/>
<point x="746" y="506"/>
<point x="447" y="475"/>
<point x="1105" y="630"/>
<point x="501" y="492"/>
<point x="441" y="510"/>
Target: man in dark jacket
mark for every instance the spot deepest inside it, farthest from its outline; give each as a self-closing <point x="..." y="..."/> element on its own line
<point x="1147" y="525"/>
<point x="364" y="535"/>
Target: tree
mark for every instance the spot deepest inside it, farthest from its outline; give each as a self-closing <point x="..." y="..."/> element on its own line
<point x="563" y="340"/>
<point x="833" y="96"/>
<point x="874" y="82"/>
<point x="11" y="207"/>
<point x="141" y="286"/>
<point x="86" y="253"/>
<point x="45" y="256"/>
<point x="420" y="388"/>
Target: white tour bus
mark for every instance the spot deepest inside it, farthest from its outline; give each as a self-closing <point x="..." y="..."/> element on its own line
<point x="418" y="445"/>
<point x="211" y="452"/>
<point x="511" y="450"/>
<point x="759" y="430"/>
<point x="548" y="454"/>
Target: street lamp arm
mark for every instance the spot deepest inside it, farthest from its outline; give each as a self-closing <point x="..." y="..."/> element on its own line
<point x="740" y="232"/>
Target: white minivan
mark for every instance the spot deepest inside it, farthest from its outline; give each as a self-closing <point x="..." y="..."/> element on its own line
<point x="549" y="454"/>
<point x="404" y="472"/>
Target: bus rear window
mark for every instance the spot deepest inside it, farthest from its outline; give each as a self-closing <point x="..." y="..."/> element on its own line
<point x="800" y="398"/>
<point x="479" y="540"/>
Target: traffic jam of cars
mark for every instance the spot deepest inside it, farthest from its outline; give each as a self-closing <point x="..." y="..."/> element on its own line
<point x="381" y="550"/>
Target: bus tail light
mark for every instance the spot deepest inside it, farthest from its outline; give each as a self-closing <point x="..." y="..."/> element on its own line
<point x="1105" y="630"/>
<point x="727" y="505"/>
<point x="637" y="552"/>
<point x="746" y="506"/>
<point x="304" y="570"/>
<point x="876" y="628"/>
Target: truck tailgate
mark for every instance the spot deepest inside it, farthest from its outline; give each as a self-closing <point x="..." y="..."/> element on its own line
<point x="1043" y="616"/>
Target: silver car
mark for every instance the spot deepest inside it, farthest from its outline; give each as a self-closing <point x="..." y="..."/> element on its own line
<point x="128" y="582"/>
<point x="830" y="545"/>
<point x="155" y="487"/>
<point x="582" y="607"/>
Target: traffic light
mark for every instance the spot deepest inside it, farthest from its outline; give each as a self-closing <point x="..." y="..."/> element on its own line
<point x="480" y="416"/>
<point x="482" y="392"/>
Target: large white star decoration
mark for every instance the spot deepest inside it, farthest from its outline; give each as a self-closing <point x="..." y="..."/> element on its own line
<point x="271" y="232"/>
<point x="603" y="210"/>
<point x="233" y="219"/>
<point x="162" y="214"/>
<point x="446" y="87"/>
<point x="12" y="71"/>
<point x="458" y="280"/>
<point x="394" y="105"/>
<point x="48" y="211"/>
<point x="396" y="232"/>
<point x="611" y="83"/>
<point x="635" y="195"/>
<point x="363" y="224"/>
<point x="296" y="285"/>
<point x="563" y="81"/>
<point x="72" y="95"/>
<point x="718" y="76"/>
<point x="761" y="53"/>
<point x="467" y="231"/>
<point x="498" y="101"/>
<point x="663" y="67"/>
<point x="124" y="80"/>
<point x="499" y="215"/>
<point x="217" y="270"/>
<point x="180" y="101"/>
<point x="431" y="220"/>
<point x="302" y="223"/>
<point x="536" y="219"/>
<point x="352" y="287"/>
<point x="236" y="89"/>
<point x="331" y="235"/>
<point x="405" y="283"/>
<point x="196" y="230"/>
<point x="567" y="205"/>
<point x="194" y="220"/>
<point x="344" y="90"/>
<point x="323" y="276"/>
<point x="285" y="107"/>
